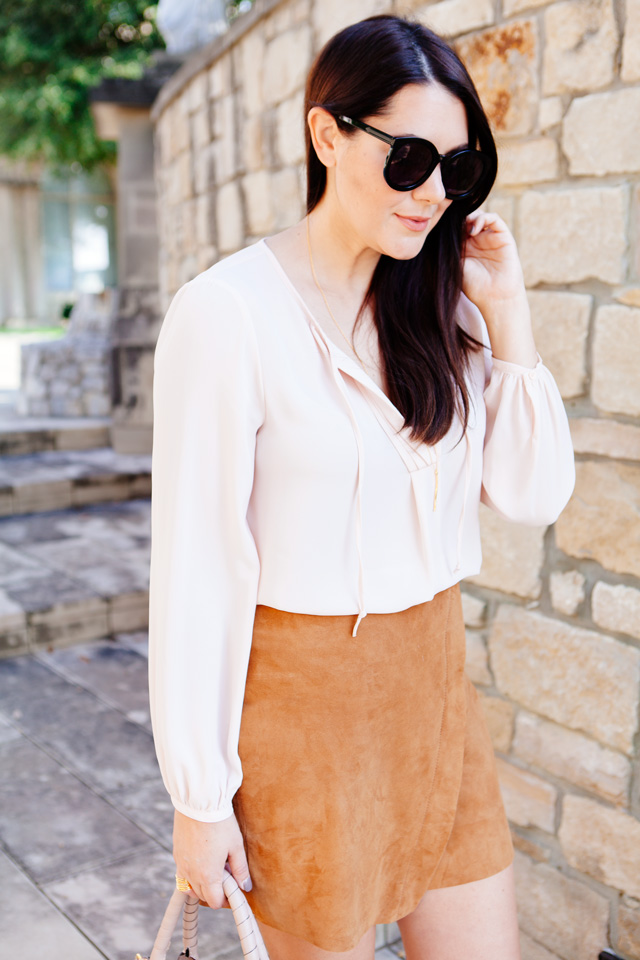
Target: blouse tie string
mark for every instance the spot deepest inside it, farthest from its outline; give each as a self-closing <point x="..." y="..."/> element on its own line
<point x="337" y="376"/>
<point x="360" y="445"/>
<point x="467" y="481"/>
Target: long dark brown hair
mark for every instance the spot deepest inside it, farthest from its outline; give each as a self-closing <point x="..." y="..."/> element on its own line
<point x="424" y="351"/>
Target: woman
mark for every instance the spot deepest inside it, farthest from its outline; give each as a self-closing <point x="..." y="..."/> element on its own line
<point x="316" y="484"/>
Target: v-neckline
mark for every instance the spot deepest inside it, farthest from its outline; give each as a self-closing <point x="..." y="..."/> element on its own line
<point x="390" y="418"/>
<point x="362" y="374"/>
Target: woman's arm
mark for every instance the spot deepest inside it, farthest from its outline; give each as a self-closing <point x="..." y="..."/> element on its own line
<point x="208" y="405"/>
<point x="528" y="463"/>
<point x="493" y="280"/>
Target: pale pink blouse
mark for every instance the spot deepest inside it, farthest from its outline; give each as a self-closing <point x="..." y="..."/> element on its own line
<point x="283" y="475"/>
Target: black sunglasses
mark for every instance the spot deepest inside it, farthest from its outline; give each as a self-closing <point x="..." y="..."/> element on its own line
<point x="412" y="160"/>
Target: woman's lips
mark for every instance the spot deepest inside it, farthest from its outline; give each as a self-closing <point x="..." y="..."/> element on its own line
<point x="414" y="223"/>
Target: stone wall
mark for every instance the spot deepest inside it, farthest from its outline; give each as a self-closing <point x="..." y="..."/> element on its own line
<point x="554" y="617"/>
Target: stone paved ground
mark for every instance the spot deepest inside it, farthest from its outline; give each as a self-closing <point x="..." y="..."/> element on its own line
<point x="85" y="821"/>
<point x="86" y="824"/>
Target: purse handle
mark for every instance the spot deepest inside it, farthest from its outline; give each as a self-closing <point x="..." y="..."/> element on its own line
<point x="184" y="902"/>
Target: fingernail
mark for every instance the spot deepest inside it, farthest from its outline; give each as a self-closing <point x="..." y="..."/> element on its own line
<point x="247" y="885"/>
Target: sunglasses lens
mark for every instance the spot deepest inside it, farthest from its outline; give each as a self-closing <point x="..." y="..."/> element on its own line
<point x="412" y="160"/>
<point x="462" y="172"/>
<point x="409" y="163"/>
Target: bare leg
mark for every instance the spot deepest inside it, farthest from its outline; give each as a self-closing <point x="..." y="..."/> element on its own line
<point x="477" y="921"/>
<point x="284" y="946"/>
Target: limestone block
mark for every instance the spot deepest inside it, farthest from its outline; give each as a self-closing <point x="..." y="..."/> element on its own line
<point x="631" y="45"/>
<point x="527" y="161"/>
<point x="223" y="158"/>
<point x="287" y="61"/>
<point x="477" y="660"/>
<point x="185" y="180"/>
<point x="550" y="112"/>
<point x="629" y="296"/>
<point x="603" y="843"/>
<point x="280" y="20"/>
<point x="601" y="133"/>
<point x="201" y="128"/>
<point x="616" y="608"/>
<point x="616" y="360"/>
<point x="249" y="54"/>
<point x="205" y="220"/>
<point x="562" y="914"/>
<point x="534" y="951"/>
<point x="182" y="131"/>
<point x="577" y="677"/>
<point x="567" y="591"/>
<point x="332" y="15"/>
<point x="473" y="610"/>
<point x="509" y="7"/>
<point x="163" y="139"/>
<point x="205" y="257"/>
<point x="450" y="18"/>
<point x="602" y="520"/>
<point x="572" y="235"/>
<point x="197" y="92"/>
<point x="572" y="757"/>
<point x="538" y="851"/>
<point x="629" y="927"/>
<point x="301" y="10"/>
<point x="504" y="206"/>
<point x="258" y="203"/>
<point x="607" y="438"/>
<point x="581" y="45"/>
<point x="560" y="327"/>
<point x="230" y="230"/>
<point x="204" y="168"/>
<point x="499" y="716"/>
<point x="502" y="63"/>
<point x="253" y="143"/>
<point x="512" y="556"/>
<point x="287" y="198"/>
<point x="220" y="77"/>
<point x="185" y="227"/>
<point x="635" y="263"/>
<point x="290" y="144"/>
<point x="529" y="800"/>
<point x="223" y="118"/>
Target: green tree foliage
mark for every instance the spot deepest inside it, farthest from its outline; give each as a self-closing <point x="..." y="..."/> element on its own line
<point x="51" y="53"/>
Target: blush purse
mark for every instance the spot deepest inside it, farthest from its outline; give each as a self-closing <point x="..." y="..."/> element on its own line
<point x="186" y="903"/>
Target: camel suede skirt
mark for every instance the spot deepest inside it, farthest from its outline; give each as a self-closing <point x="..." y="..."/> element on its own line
<point x="369" y="776"/>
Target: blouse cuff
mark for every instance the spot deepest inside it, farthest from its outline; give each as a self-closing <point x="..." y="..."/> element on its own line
<point x="206" y="816"/>
<point x="516" y="369"/>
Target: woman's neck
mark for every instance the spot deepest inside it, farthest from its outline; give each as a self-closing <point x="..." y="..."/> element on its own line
<point x="344" y="264"/>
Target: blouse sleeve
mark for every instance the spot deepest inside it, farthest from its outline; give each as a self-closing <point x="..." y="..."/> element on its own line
<point x="208" y="404"/>
<point x="528" y="468"/>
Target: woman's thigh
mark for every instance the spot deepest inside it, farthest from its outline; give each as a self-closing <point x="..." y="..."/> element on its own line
<point x="284" y="946"/>
<point x="477" y="921"/>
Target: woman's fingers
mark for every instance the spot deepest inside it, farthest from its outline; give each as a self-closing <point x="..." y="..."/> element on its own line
<point x="213" y="894"/>
<point x="480" y="220"/>
<point x="239" y="867"/>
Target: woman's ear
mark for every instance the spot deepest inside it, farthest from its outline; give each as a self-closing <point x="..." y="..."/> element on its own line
<point x="325" y="135"/>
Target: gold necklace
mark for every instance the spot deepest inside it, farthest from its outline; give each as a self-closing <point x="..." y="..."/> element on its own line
<point x="362" y="363"/>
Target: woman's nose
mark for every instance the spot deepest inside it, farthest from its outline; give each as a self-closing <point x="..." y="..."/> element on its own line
<point x="432" y="189"/>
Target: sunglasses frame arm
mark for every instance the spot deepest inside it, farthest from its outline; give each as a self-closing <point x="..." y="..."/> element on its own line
<point x="369" y="129"/>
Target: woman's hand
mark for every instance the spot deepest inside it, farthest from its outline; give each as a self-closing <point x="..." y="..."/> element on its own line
<point x="201" y="850"/>
<point x="492" y="279"/>
<point x="491" y="267"/>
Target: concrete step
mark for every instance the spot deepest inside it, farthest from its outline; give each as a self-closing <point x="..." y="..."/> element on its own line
<point x="73" y="575"/>
<point x="22" y="435"/>
<point x="56" y="479"/>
